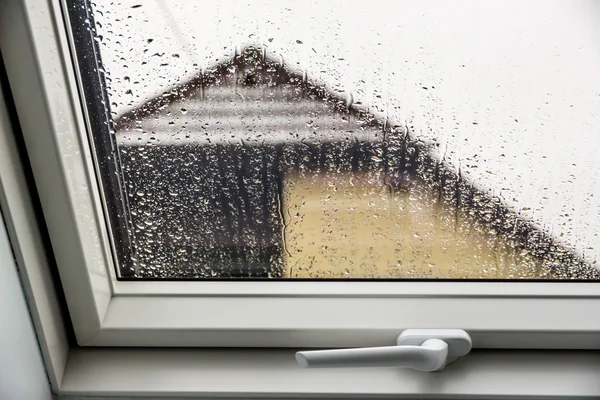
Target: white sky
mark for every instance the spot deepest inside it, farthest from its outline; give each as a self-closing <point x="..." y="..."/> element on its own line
<point x="526" y="72"/>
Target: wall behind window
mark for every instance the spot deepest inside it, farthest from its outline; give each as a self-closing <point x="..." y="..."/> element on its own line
<point x="22" y="372"/>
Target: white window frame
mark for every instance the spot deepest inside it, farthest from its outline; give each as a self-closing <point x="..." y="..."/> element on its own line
<point x="27" y="41"/>
<point x="107" y="312"/>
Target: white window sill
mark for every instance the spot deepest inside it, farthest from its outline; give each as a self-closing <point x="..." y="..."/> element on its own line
<point x="191" y="373"/>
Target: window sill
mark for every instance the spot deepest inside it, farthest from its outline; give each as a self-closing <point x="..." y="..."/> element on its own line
<point x="185" y="373"/>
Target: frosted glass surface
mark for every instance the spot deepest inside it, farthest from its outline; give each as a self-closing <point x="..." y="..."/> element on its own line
<point x="371" y="140"/>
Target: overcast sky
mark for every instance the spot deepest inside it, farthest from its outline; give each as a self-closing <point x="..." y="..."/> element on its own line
<point x="510" y="89"/>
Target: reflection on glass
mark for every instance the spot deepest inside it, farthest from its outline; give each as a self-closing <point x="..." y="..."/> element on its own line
<point x="248" y="168"/>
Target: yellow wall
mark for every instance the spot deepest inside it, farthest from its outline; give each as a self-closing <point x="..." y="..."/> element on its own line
<point x="350" y="225"/>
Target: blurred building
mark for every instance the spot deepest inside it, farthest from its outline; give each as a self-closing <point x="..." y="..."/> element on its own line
<point x="249" y="170"/>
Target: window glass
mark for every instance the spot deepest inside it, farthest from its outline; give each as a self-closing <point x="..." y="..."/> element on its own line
<point x="377" y="140"/>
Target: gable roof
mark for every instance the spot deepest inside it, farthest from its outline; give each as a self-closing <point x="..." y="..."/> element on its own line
<point x="411" y="159"/>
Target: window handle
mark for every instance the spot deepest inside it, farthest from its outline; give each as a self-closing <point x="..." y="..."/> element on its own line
<point x="421" y="349"/>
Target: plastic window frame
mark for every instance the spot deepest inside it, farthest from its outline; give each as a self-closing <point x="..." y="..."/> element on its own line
<point x="77" y="373"/>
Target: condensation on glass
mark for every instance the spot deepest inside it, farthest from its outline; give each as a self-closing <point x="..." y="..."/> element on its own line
<point x="244" y="155"/>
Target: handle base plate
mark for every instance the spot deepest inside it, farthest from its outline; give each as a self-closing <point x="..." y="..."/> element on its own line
<point x="459" y="341"/>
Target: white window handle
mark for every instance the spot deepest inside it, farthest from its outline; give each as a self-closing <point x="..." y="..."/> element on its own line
<point x="421" y="349"/>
